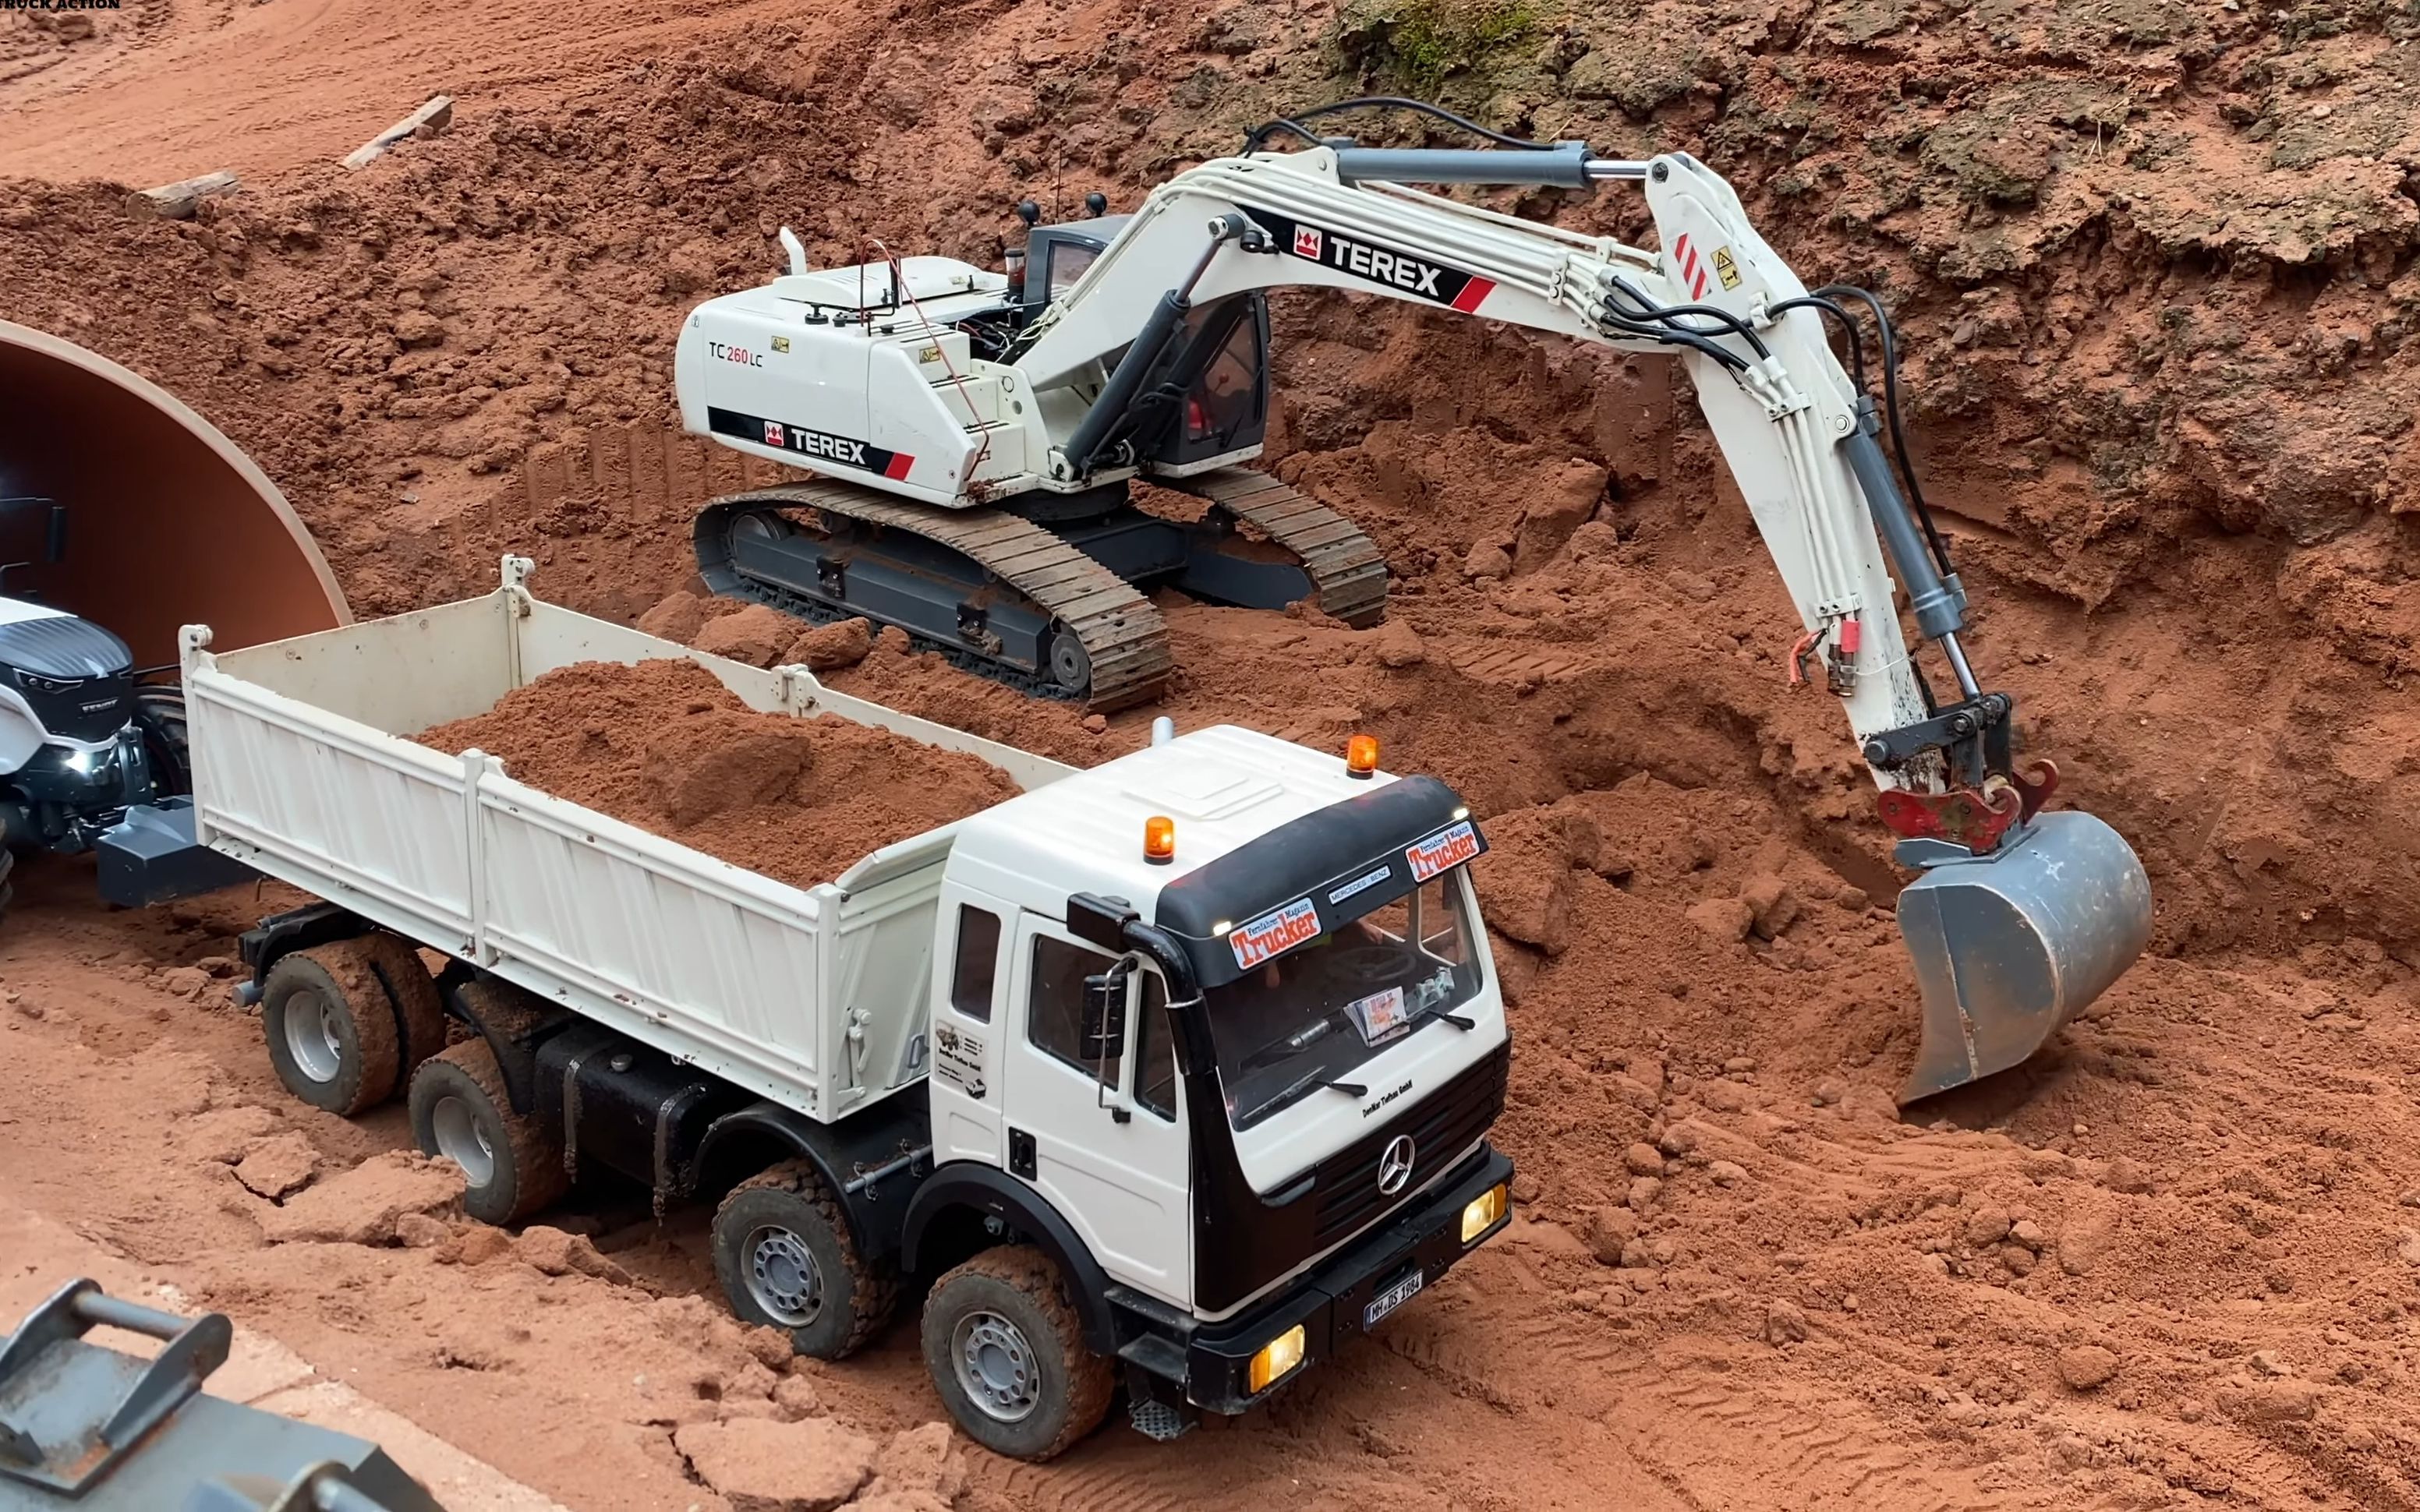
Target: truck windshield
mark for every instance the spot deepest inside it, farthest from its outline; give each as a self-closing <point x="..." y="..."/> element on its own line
<point x="1308" y="1018"/>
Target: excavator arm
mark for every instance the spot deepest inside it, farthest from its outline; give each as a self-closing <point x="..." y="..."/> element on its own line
<point x="2021" y="917"/>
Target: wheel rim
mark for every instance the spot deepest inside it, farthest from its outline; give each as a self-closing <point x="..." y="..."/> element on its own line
<point x="1071" y="665"/>
<point x="783" y="1277"/>
<point x="314" y="1035"/>
<point x="995" y="1367"/>
<point x="461" y="1141"/>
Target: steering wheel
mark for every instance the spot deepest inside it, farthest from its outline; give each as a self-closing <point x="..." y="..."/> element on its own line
<point x="1370" y="963"/>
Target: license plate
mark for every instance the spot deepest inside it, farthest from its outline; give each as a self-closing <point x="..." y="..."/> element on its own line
<point x="1392" y="1298"/>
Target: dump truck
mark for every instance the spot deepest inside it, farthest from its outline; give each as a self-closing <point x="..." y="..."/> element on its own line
<point x="1174" y="1074"/>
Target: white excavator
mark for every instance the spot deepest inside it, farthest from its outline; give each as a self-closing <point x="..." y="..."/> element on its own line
<point x="974" y="433"/>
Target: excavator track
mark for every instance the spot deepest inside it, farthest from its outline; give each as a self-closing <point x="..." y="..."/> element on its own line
<point x="1344" y="565"/>
<point x="1124" y="640"/>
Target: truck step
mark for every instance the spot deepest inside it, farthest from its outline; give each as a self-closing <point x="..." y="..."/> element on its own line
<point x="1344" y="564"/>
<point x="1158" y="1354"/>
<point x="1159" y="1421"/>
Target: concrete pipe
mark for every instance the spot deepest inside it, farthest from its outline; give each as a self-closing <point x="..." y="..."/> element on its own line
<point x="167" y="522"/>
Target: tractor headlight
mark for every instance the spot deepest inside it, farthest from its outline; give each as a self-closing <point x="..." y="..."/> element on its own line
<point x="1483" y="1213"/>
<point x="1278" y="1358"/>
<point x="45" y="685"/>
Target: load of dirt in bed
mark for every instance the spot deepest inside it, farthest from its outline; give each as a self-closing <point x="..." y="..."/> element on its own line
<point x="665" y="746"/>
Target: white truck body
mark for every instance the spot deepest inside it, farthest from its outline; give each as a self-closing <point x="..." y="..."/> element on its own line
<point x="303" y="769"/>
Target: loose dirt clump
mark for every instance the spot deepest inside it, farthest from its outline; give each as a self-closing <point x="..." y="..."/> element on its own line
<point x="666" y="747"/>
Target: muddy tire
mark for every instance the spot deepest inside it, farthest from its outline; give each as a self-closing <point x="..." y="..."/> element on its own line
<point x="160" y="719"/>
<point x="419" y="1008"/>
<point x="787" y="1259"/>
<point x="512" y="1165"/>
<point x="1006" y="1349"/>
<point x="331" y="1029"/>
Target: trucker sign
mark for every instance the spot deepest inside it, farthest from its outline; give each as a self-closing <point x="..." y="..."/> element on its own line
<point x="1448" y="847"/>
<point x="1274" y="934"/>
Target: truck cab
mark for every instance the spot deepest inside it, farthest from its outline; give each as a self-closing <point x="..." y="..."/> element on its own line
<point x="1215" y="1022"/>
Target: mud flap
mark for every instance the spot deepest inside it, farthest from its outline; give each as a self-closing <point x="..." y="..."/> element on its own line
<point x="2010" y="946"/>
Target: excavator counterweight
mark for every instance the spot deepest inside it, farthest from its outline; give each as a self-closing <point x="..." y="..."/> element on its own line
<point x="980" y="432"/>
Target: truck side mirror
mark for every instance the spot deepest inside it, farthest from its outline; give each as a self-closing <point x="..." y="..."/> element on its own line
<point x="54" y="536"/>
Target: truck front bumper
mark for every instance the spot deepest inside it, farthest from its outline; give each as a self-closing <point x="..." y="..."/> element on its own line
<point x="1333" y="1302"/>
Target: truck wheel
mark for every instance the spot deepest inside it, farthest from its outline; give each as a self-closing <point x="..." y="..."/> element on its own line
<point x="787" y="1259"/>
<point x="419" y="1008"/>
<point x="1007" y="1354"/>
<point x="330" y="1029"/>
<point x="512" y="1163"/>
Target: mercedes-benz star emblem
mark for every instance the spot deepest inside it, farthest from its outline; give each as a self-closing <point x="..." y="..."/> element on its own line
<point x="1395" y="1164"/>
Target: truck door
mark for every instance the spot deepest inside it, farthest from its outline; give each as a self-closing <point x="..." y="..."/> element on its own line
<point x="970" y="985"/>
<point x="1100" y="1139"/>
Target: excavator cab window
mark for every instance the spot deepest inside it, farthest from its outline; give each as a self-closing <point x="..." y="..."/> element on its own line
<point x="1222" y="363"/>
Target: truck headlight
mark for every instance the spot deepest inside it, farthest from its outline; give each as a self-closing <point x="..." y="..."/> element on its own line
<point x="1278" y="1358"/>
<point x="1483" y="1212"/>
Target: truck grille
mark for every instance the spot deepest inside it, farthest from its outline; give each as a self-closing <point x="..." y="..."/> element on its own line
<point x="1442" y="1126"/>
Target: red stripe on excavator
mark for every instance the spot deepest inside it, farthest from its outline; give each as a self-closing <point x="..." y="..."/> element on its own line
<point x="900" y="463"/>
<point x="1472" y="292"/>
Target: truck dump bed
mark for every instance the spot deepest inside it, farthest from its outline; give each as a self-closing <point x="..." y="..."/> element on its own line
<point x="302" y="770"/>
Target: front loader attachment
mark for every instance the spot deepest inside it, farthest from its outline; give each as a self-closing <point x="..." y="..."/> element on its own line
<point x="2008" y="947"/>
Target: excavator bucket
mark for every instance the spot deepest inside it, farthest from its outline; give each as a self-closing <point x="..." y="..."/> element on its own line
<point x="2010" y="946"/>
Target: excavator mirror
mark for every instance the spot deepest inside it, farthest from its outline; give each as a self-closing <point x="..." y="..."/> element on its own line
<point x="54" y="535"/>
<point x="1028" y="212"/>
<point x="1097" y="204"/>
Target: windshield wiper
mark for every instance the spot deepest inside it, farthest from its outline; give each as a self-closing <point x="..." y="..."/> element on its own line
<point x="1293" y="1091"/>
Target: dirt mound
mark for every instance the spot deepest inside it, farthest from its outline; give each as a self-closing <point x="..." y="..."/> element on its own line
<point x="664" y="746"/>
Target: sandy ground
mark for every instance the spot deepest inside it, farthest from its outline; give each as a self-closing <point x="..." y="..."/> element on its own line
<point x="2173" y="1263"/>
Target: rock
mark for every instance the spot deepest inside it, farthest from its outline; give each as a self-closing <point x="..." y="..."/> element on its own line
<point x="2124" y="1174"/>
<point x="1643" y="1160"/>
<point x="1527" y="885"/>
<point x="1726" y="1173"/>
<point x="1987" y="1226"/>
<point x="2273" y="1401"/>
<point x="1722" y="918"/>
<point x="418" y="328"/>
<point x="552" y="1252"/>
<point x="185" y="982"/>
<point x="1643" y="1192"/>
<point x="921" y="1461"/>
<point x="1610" y="1229"/>
<point x="472" y="1246"/>
<point x="279" y="1165"/>
<point x="2411" y="1199"/>
<point x="2083" y="1240"/>
<point x="1396" y="645"/>
<point x="2266" y="1362"/>
<point x="1526" y="1187"/>
<point x="893" y="641"/>
<point x="1096" y="724"/>
<point x="829" y="647"/>
<point x="762" y="1465"/>
<point x="1681" y="1139"/>
<point x="361" y="1206"/>
<point x="2019" y="1259"/>
<point x="676" y="618"/>
<point x="1555" y="507"/>
<point x="1830" y="1091"/>
<point x="2028" y="1233"/>
<point x="756" y="635"/>
<point x="796" y="1397"/>
<point x="221" y="965"/>
<point x="1770" y="906"/>
<point x="1487" y="562"/>
<point x="1853" y="898"/>
<point x="1785" y="1322"/>
<point x="227" y="1135"/>
<point x="417" y="1230"/>
<point x="2085" y="1367"/>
